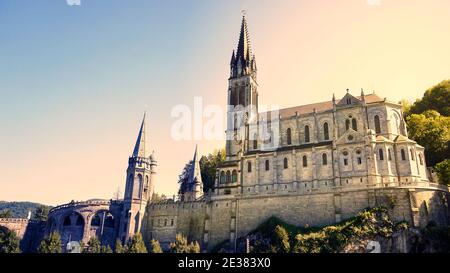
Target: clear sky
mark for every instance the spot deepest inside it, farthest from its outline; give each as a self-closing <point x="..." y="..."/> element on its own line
<point x="75" y="80"/>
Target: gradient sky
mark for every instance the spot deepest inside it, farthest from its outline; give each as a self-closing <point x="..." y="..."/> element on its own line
<point x="75" y="80"/>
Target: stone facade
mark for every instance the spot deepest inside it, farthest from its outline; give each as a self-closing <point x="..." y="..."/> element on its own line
<point x="312" y="165"/>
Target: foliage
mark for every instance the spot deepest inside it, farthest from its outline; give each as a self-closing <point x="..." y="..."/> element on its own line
<point x="6" y="213"/>
<point x="281" y="240"/>
<point x="181" y="245"/>
<point x="208" y="168"/>
<point x="136" y="245"/>
<point x="51" y="244"/>
<point x="19" y="209"/>
<point x="9" y="242"/>
<point x="436" y="98"/>
<point x="443" y="171"/>
<point x="158" y="197"/>
<point x="93" y="246"/>
<point x="119" y="248"/>
<point x="155" y="247"/>
<point x="41" y="213"/>
<point x="106" y="249"/>
<point x="431" y="130"/>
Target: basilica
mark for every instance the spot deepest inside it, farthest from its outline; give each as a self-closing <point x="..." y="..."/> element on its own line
<point x="310" y="165"/>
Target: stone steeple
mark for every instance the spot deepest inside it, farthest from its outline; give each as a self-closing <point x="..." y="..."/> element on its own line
<point x="243" y="62"/>
<point x="192" y="187"/>
<point x="140" y="149"/>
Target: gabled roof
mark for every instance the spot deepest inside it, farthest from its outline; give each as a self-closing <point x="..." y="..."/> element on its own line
<point x="321" y="106"/>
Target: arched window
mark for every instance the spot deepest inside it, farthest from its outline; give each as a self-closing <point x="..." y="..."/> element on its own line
<point x="326" y="135"/>
<point x="285" y="163"/>
<point x="79" y="221"/>
<point x="146" y="184"/>
<point x="288" y="136"/>
<point x="347" y="124"/>
<point x="412" y="154"/>
<point x="222" y="177"/>
<point x="389" y="155"/>
<point x="420" y="159"/>
<point x="255" y="142"/>
<point x="354" y="124"/>
<point x="267" y="165"/>
<point x="96" y="220"/>
<point x="306" y="133"/>
<point x="324" y="159"/>
<point x="376" y="119"/>
<point x="305" y="161"/>
<point x="234" y="176"/>
<point x="67" y="221"/>
<point x="138" y="190"/>
<point x="402" y="151"/>
<point x="380" y="152"/>
<point x="228" y="177"/>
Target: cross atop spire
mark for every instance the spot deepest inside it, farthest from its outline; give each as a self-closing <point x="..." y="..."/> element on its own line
<point x="139" y="148"/>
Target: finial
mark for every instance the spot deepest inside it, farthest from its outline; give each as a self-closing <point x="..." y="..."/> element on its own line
<point x="243" y="12"/>
<point x="348" y="90"/>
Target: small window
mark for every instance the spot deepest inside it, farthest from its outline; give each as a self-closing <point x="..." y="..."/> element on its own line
<point x="267" y="165"/>
<point x="234" y="176"/>
<point x="249" y="167"/>
<point x="285" y="163"/>
<point x="222" y="177"/>
<point x="305" y="161"/>
<point x="380" y="152"/>
<point x="228" y="177"/>
<point x="389" y="155"/>
<point x="402" y="152"/>
<point x="359" y="161"/>
<point x="288" y="136"/>
<point x="349" y="101"/>
<point x="347" y="124"/>
<point x="171" y="222"/>
<point x="345" y="161"/>
<point x="377" y="124"/>
<point x="354" y="124"/>
<point x="412" y="154"/>
<point x="324" y="159"/>
<point x="420" y="159"/>
<point x="255" y="142"/>
<point x="165" y="222"/>
<point x="306" y="133"/>
<point x="326" y="135"/>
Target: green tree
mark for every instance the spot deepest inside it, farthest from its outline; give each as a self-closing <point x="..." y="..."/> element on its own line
<point x="51" y="244"/>
<point x="106" y="249"/>
<point x="281" y="240"/>
<point x="431" y="130"/>
<point x="6" y="213"/>
<point x="9" y="242"/>
<point x="443" y="171"/>
<point x="119" y="248"/>
<point x="436" y="98"/>
<point x="181" y="245"/>
<point x="93" y="246"/>
<point x="136" y="244"/>
<point x="155" y="247"/>
<point x="208" y="168"/>
<point x="41" y="213"/>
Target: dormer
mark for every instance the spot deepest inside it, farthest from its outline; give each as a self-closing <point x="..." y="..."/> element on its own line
<point x="349" y="100"/>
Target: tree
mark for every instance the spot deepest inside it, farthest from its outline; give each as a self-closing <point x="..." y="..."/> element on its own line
<point x="281" y="240"/>
<point x="181" y="245"/>
<point x="443" y="171"/>
<point x="106" y="249"/>
<point x="9" y="242"/>
<point x="431" y="130"/>
<point x="51" y="244"/>
<point x="136" y="244"/>
<point x="93" y="246"/>
<point x="6" y="213"/>
<point x="208" y="168"/>
<point x="119" y="248"/>
<point x="155" y="247"/>
<point x="41" y="213"/>
<point x="436" y="98"/>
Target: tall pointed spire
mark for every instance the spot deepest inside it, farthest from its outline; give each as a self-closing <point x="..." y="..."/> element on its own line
<point x="195" y="176"/>
<point x="139" y="148"/>
<point x="243" y="49"/>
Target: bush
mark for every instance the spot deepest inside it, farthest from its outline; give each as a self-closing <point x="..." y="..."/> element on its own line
<point x="443" y="171"/>
<point x="51" y="244"/>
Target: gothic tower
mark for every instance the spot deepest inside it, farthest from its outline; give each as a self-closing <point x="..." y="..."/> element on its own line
<point x="191" y="187"/>
<point x="242" y="94"/>
<point x="139" y="186"/>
